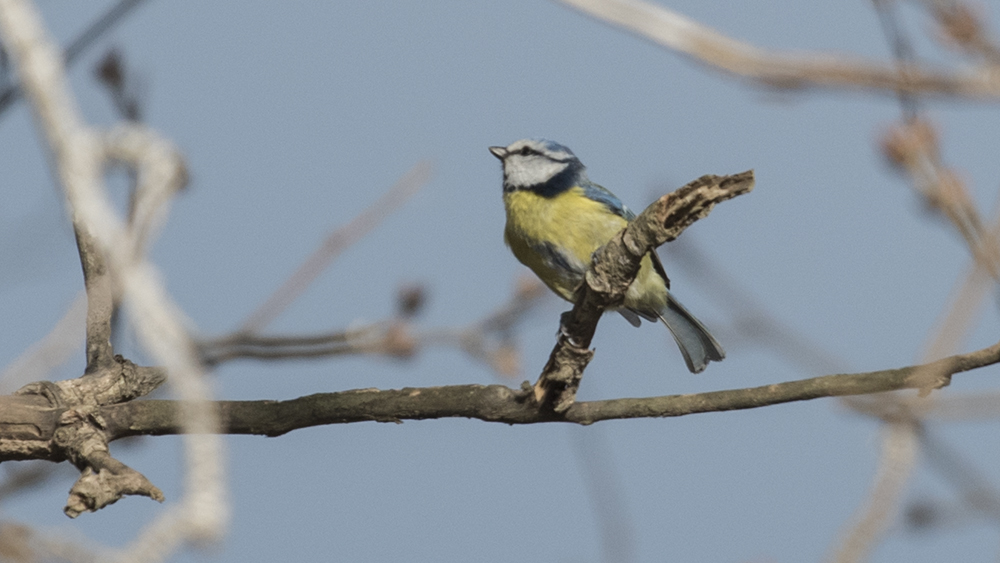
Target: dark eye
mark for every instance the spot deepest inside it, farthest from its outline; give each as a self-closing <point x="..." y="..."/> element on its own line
<point x="525" y="151"/>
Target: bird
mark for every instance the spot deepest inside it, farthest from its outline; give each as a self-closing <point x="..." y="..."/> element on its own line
<point x="557" y="218"/>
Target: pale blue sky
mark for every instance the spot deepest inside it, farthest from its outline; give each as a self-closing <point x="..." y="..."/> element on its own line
<point x="295" y="116"/>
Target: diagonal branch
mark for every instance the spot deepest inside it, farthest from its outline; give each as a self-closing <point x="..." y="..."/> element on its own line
<point x="78" y="46"/>
<point x="334" y="244"/>
<point x="782" y="69"/>
<point x="614" y="267"/>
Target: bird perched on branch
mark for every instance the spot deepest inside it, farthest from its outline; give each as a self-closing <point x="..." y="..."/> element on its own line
<point x="557" y="218"/>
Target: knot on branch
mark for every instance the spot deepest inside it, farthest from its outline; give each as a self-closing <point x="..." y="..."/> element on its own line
<point x="96" y="489"/>
<point x="103" y="479"/>
<point x="118" y="382"/>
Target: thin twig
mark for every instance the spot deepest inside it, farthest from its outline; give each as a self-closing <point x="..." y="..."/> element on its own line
<point x="335" y="243"/>
<point x="78" y="46"/>
<point x="749" y="317"/>
<point x="393" y="337"/>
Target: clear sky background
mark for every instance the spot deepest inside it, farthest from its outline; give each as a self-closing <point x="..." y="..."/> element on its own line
<point x="295" y="116"/>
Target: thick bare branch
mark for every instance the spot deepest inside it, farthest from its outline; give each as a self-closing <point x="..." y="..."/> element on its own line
<point x="78" y="156"/>
<point x="498" y="403"/>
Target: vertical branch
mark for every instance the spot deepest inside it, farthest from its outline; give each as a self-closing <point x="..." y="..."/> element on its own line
<point x="78" y="154"/>
<point x="100" y="300"/>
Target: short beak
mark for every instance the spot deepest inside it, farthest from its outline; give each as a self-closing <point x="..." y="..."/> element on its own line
<point x="499" y="152"/>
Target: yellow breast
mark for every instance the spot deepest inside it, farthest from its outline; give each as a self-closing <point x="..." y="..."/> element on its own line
<point x="555" y="236"/>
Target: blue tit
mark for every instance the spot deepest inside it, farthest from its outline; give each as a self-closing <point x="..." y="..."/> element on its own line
<point x="557" y="218"/>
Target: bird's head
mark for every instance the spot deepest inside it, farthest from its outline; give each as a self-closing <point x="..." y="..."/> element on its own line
<point x="533" y="163"/>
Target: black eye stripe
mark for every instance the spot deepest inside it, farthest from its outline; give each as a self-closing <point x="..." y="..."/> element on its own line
<point x="528" y="151"/>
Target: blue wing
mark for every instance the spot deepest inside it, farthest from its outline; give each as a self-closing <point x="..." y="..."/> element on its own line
<point x="601" y="194"/>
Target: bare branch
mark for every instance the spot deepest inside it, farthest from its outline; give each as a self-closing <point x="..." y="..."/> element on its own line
<point x="78" y="157"/>
<point x="785" y="70"/>
<point x="100" y="300"/>
<point x="962" y="26"/>
<point x="103" y="479"/>
<point x="78" y="46"/>
<point x="498" y="403"/>
<point x="614" y="267"/>
<point x="487" y="340"/>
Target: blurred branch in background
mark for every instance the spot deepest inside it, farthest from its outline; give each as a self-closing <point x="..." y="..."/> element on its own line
<point x="492" y="340"/>
<point x="896" y="460"/>
<point x="596" y="459"/>
<point x="749" y="318"/>
<point x="54" y="349"/>
<point x="127" y="92"/>
<point x="335" y="243"/>
<point x="489" y="340"/>
<point x="974" y="488"/>
<point x="79" y="154"/>
<point x="11" y="91"/>
<point x="962" y="26"/>
<point x="788" y="70"/>
<point x="912" y="148"/>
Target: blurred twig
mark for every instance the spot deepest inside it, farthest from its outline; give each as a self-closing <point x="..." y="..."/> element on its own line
<point x="488" y="340"/>
<point x="899" y="453"/>
<point x="125" y="90"/>
<point x="491" y="339"/>
<point x="751" y="319"/>
<point x="78" y="46"/>
<point x="26" y="476"/>
<point x="603" y="483"/>
<point x="335" y="243"/>
<point x="902" y="50"/>
<point x="974" y="488"/>
<point x="35" y="363"/>
<point x="963" y="26"/>
<point x="912" y="148"/>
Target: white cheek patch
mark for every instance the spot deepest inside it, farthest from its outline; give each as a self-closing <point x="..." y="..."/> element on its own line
<point x="523" y="171"/>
